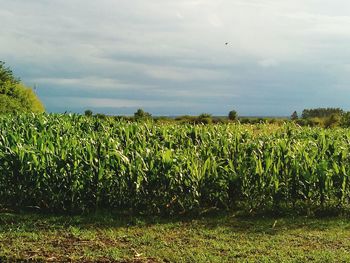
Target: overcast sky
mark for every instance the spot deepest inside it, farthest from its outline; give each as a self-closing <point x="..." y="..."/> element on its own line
<point x="169" y="57"/>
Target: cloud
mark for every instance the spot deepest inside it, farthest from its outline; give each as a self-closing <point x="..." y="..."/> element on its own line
<point x="269" y="62"/>
<point x="183" y="74"/>
<point x="281" y="56"/>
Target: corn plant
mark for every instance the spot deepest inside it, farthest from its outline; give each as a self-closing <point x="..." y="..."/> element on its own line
<point x="78" y="163"/>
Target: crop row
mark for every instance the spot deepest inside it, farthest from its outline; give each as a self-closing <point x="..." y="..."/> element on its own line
<point x="78" y="163"/>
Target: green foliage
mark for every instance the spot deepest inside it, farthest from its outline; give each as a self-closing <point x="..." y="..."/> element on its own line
<point x="164" y="120"/>
<point x="232" y="115"/>
<point x="186" y="119"/>
<point x="101" y="116"/>
<point x="333" y="121"/>
<point x="141" y="114"/>
<point x="204" y="118"/>
<point x="345" y="120"/>
<point x="294" y="116"/>
<point x="18" y="98"/>
<point x="316" y="121"/>
<point x="76" y="163"/>
<point x="220" y="120"/>
<point x="88" y="113"/>
<point x="302" y="122"/>
<point x="323" y="117"/>
<point x="254" y="120"/>
<point x="6" y="75"/>
<point x="14" y="96"/>
<point x="9" y="105"/>
<point x="321" y="112"/>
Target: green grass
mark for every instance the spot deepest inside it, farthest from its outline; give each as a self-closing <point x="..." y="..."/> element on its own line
<point x="218" y="238"/>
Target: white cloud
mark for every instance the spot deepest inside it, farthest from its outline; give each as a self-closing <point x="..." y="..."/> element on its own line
<point x="88" y="83"/>
<point x="150" y="45"/>
<point x="183" y="74"/>
<point x="114" y="103"/>
<point x="269" y="62"/>
<point x="215" y="20"/>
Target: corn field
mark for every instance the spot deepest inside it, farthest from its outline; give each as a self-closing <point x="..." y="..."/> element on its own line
<point x="77" y="163"/>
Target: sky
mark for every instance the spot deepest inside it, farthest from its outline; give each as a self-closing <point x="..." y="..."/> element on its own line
<point x="171" y="58"/>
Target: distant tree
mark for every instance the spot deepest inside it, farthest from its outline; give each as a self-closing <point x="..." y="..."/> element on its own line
<point x="333" y="121"/>
<point x="232" y="115"/>
<point x="101" y="116"/>
<point x="345" y="120"/>
<point x="14" y="96"/>
<point x="321" y="112"/>
<point x="6" y="75"/>
<point x="141" y="114"/>
<point x="294" y="116"/>
<point x="204" y="115"/>
<point x="88" y="113"/>
<point x="186" y="119"/>
<point x="205" y="118"/>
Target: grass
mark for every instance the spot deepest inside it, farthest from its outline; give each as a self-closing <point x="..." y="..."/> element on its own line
<point x="215" y="238"/>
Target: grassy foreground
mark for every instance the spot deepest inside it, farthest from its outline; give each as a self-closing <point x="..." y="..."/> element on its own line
<point x="219" y="238"/>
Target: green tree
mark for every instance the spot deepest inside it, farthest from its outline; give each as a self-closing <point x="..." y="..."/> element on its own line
<point x="232" y="115"/>
<point x="333" y="121"/>
<point x="9" y="105"/>
<point x="6" y="75"/>
<point x="294" y="116"/>
<point x="15" y="97"/>
<point x="320" y="112"/>
<point x="345" y="120"/>
<point x="141" y="114"/>
<point x="88" y="113"/>
<point x="205" y="118"/>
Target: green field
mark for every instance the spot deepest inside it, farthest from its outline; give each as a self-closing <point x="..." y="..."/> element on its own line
<point x="174" y="192"/>
<point x="73" y="163"/>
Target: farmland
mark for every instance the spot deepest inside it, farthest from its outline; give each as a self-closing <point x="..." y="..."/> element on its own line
<point x="86" y="189"/>
<point x="74" y="163"/>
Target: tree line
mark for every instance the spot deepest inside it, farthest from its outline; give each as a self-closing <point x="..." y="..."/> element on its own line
<point x="15" y="97"/>
<point x="324" y="117"/>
